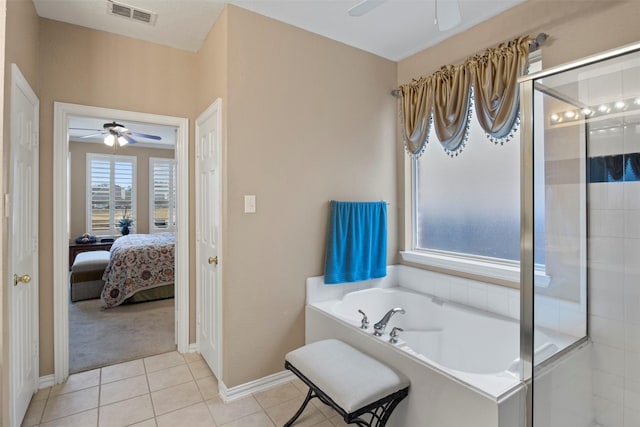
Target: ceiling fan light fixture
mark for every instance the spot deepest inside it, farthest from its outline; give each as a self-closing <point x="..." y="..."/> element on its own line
<point x="113" y="133"/>
<point x="110" y="140"/>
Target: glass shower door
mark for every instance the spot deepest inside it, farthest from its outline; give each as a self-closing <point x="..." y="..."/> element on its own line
<point x="581" y="243"/>
<point x="562" y="389"/>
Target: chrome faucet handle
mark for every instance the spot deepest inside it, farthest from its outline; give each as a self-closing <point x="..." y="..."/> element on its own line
<point x="365" y="320"/>
<point x="393" y="335"/>
<point x="382" y="324"/>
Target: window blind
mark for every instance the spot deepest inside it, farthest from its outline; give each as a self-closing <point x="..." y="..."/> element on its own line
<point x="163" y="193"/>
<point x="111" y="193"/>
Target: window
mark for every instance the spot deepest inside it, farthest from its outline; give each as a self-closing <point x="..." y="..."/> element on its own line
<point x="466" y="208"/>
<point x="469" y="204"/>
<point x="162" y="194"/>
<point x="111" y="192"/>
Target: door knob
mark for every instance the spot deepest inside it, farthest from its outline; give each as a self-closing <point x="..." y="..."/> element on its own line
<point x="21" y="279"/>
<point x="213" y="260"/>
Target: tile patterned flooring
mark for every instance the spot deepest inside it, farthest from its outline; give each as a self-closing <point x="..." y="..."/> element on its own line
<point x="168" y="390"/>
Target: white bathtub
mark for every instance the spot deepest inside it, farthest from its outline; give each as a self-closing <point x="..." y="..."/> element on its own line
<point x="447" y="349"/>
<point x="445" y="333"/>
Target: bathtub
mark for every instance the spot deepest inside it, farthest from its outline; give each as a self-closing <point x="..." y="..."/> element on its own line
<point x="479" y="348"/>
<point x="456" y="356"/>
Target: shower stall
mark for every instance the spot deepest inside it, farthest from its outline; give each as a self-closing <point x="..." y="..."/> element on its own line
<point x="580" y="241"/>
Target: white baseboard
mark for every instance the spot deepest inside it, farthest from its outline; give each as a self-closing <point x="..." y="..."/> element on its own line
<point x="193" y="347"/>
<point x="46" y="381"/>
<point x="243" y="390"/>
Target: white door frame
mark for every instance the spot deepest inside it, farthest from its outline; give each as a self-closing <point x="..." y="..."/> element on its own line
<point x="62" y="111"/>
<point x="213" y="109"/>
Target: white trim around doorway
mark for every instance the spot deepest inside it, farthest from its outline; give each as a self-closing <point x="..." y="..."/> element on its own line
<point x="62" y="111"/>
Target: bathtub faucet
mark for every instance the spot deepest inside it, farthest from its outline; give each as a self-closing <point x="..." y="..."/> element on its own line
<point x="364" y="323"/>
<point x="382" y="324"/>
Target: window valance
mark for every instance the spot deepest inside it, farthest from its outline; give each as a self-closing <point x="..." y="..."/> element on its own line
<point x="445" y="99"/>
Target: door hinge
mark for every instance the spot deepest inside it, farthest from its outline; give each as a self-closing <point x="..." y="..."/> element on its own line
<point x="7" y="205"/>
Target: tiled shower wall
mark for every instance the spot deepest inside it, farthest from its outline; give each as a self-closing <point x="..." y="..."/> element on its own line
<point x="614" y="274"/>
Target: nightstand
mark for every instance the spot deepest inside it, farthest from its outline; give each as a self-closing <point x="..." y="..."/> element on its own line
<point x="76" y="248"/>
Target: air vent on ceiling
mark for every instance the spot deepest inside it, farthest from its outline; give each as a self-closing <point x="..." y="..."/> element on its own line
<point x="131" y="12"/>
<point x="142" y="16"/>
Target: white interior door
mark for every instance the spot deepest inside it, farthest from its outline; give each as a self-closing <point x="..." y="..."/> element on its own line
<point x="208" y="200"/>
<point x="23" y="247"/>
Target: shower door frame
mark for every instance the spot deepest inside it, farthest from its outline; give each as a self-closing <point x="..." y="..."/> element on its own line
<point x="527" y="270"/>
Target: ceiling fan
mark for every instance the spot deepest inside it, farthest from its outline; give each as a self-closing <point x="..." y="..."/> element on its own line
<point x="447" y="12"/>
<point x="115" y="132"/>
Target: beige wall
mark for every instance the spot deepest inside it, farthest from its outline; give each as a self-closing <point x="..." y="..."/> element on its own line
<point x="152" y="79"/>
<point x="309" y="120"/>
<point x="78" y="177"/>
<point x="20" y="46"/>
<point x="212" y="65"/>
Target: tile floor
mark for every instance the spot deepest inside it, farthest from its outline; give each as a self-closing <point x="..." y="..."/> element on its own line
<point x="169" y="389"/>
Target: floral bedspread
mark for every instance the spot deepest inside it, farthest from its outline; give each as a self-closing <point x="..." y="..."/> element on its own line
<point x="138" y="262"/>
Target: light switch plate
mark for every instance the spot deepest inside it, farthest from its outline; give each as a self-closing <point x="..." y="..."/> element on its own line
<point x="250" y="203"/>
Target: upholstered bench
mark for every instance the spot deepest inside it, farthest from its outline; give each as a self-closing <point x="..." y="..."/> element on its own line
<point x="360" y="388"/>
<point x="86" y="275"/>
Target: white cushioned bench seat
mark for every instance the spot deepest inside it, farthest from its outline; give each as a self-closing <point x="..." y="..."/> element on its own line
<point x="86" y="274"/>
<point x="351" y="379"/>
<point x="90" y="261"/>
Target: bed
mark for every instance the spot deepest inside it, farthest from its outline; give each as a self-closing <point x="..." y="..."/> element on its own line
<point x="141" y="268"/>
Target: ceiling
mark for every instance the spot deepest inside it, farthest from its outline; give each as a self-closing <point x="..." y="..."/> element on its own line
<point x="394" y="30"/>
<point x="83" y="126"/>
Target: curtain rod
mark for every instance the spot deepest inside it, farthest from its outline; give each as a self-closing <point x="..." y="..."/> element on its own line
<point x="533" y="46"/>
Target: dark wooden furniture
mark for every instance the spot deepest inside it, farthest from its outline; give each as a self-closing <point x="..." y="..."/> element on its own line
<point x="76" y="248"/>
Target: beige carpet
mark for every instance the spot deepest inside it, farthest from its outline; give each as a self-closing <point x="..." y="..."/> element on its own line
<point x="100" y="337"/>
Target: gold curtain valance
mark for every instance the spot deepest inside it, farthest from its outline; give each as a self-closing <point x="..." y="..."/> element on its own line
<point x="444" y="99"/>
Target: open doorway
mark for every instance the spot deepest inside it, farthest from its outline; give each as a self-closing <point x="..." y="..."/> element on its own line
<point x="80" y="208"/>
<point x="122" y="201"/>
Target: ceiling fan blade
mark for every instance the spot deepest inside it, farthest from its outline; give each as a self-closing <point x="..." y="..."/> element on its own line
<point x="144" y="135"/>
<point x="447" y="14"/>
<point x="95" y="130"/>
<point x="364" y="7"/>
<point x="129" y="139"/>
<point x="92" y="135"/>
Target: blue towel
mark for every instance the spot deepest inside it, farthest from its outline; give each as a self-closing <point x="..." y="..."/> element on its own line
<point x="356" y="242"/>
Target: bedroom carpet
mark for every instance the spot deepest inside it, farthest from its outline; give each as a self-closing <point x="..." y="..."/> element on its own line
<point x="99" y="337"/>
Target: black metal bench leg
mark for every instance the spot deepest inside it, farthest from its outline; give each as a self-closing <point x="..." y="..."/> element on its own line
<point x="379" y="412"/>
<point x="304" y="405"/>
